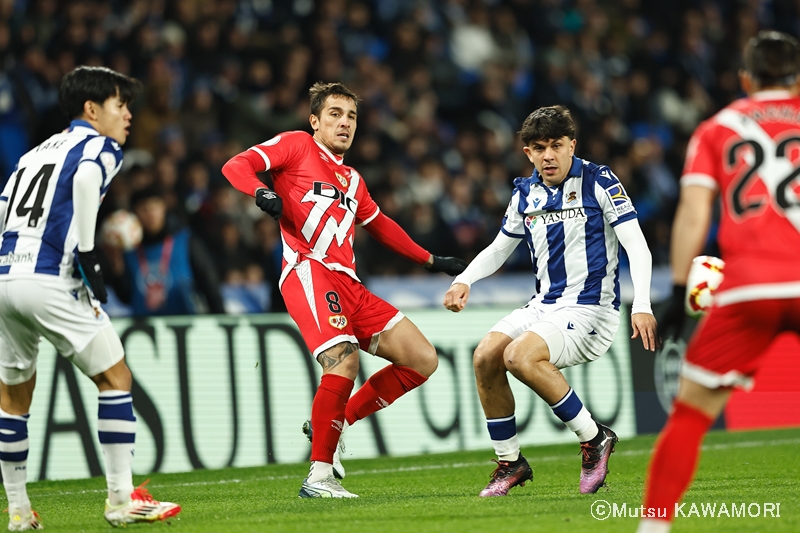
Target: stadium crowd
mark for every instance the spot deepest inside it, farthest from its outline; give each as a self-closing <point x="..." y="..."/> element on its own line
<point x="445" y="87"/>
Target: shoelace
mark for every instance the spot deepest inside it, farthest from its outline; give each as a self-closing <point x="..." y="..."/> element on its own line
<point x="142" y="494"/>
<point x="503" y="468"/>
<point x="591" y="454"/>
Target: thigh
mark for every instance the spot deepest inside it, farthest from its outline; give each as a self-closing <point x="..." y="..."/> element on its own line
<point x="585" y="331"/>
<point x="101" y="354"/>
<point x="730" y="342"/>
<point x="19" y="342"/>
<point x="320" y="305"/>
<point x="375" y="320"/>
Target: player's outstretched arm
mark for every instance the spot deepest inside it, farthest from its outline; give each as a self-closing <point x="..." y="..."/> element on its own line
<point x="643" y="322"/>
<point x="485" y="264"/>
<point x="389" y="233"/>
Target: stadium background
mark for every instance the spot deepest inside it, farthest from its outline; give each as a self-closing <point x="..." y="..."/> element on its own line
<point x="445" y="86"/>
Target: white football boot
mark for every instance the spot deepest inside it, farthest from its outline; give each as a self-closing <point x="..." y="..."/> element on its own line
<point x="141" y="508"/>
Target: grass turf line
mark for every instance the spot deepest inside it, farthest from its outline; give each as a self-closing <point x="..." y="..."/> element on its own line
<point x="438" y="493"/>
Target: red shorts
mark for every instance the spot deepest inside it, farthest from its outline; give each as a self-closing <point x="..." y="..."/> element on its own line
<point x="728" y="346"/>
<point x="330" y="307"/>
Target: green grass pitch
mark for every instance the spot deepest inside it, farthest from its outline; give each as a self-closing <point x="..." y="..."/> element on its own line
<point x="438" y="493"/>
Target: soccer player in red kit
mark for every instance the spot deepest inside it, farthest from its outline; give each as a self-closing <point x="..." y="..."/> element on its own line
<point x="319" y="201"/>
<point x="748" y="154"/>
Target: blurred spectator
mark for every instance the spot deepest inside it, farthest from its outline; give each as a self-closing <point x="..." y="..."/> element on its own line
<point x="169" y="270"/>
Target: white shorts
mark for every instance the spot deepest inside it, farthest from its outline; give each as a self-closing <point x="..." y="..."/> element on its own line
<point x="574" y="334"/>
<point x="61" y="312"/>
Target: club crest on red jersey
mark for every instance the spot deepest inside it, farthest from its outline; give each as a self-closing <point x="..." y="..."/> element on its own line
<point x="341" y="179"/>
<point x="338" y="321"/>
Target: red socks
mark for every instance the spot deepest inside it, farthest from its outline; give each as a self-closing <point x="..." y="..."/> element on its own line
<point x="675" y="459"/>
<point x="327" y="415"/>
<point x="381" y="390"/>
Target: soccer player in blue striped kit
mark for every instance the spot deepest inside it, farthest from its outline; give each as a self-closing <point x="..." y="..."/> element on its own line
<point x="51" y="286"/>
<point x="573" y="214"/>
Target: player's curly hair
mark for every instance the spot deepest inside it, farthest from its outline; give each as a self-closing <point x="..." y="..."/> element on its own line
<point x="547" y="123"/>
<point x="319" y="92"/>
<point x="94" y="84"/>
<point x="772" y="59"/>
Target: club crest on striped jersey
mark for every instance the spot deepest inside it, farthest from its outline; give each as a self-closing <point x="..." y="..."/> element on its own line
<point x="338" y="321"/>
<point x="341" y="179"/>
<point x="572" y="198"/>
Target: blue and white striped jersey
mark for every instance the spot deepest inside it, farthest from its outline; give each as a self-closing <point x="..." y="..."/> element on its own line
<point x="39" y="236"/>
<point x="569" y="230"/>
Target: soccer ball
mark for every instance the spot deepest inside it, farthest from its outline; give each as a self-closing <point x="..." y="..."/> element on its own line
<point x="705" y="275"/>
<point x="122" y="230"/>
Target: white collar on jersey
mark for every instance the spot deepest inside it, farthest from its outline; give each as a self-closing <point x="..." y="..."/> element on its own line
<point x="81" y="126"/>
<point x="335" y="158"/>
<point x="775" y="94"/>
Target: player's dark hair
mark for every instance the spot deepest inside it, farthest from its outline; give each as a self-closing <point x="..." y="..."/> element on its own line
<point x="319" y="92"/>
<point x="772" y="59"/>
<point x="94" y="84"/>
<point x="547" y="123"/>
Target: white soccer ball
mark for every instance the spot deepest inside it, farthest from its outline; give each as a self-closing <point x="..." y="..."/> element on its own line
<point x="705" y="275"/>
<point x="121" y="229"/>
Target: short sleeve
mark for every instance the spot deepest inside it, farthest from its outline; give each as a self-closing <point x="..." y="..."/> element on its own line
<point x="282" y="149"/>
<point x="107" y="153"/>
<point x="701" y="165"/>
<point x="613" y="199"/>
<point x="513" y="221"/>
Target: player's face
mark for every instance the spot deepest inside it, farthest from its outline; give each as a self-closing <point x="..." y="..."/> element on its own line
<point x="113" y="119"/>
<point x="552" y="158"/>
<point x="336" y="124"/>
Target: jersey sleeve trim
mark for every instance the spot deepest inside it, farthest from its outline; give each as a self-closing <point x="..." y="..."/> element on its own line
<point x="512" y="235"/>
<point x="263" y="155"/>
<point x="371" y="217"/>
<point x="703" y="180"/>
<point x="624" y="218"/>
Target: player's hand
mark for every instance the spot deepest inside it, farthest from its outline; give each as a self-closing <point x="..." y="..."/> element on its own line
<point x="644" y="325"/>
<point x="455" y="299"/>
<point x="670" y="323"/>
<point x="269" y="202"/>
<point x="92" y="274"/>
<point x="449" y="265"/>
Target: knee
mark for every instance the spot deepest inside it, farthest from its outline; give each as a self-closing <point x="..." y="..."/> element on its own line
<point x="428" y="361"/>
<point x="487" y="360"/>
<point x="118" y="377"/>
<point x="513" y="356"/>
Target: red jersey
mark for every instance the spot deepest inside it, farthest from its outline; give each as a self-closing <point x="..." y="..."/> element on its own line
<point x="323" y="200"/>
<point x="750" y="152"/>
